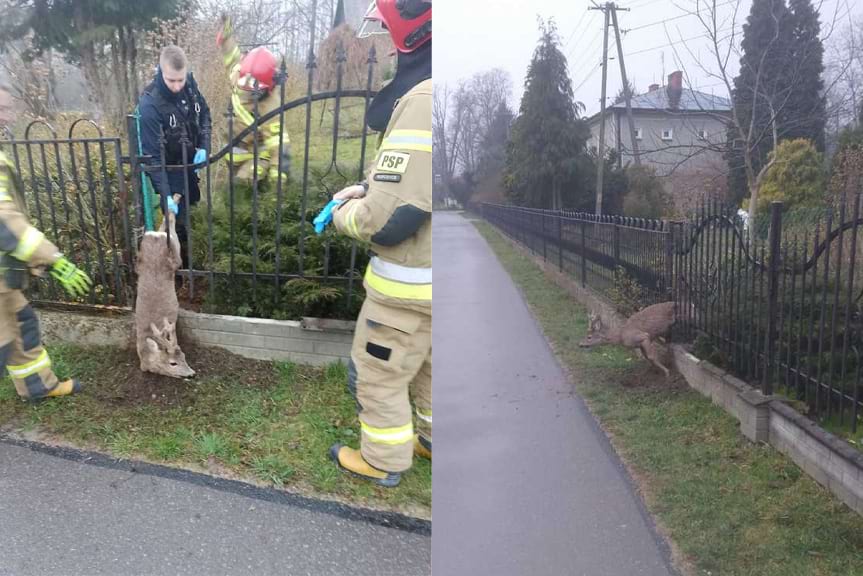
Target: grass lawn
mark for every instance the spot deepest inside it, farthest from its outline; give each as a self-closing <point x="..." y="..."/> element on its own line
<point x="269" y="422"/>
<point x="728" y="506"/>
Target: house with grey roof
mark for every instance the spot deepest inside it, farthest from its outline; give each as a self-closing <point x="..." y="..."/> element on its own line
<point x="680" y="132"/>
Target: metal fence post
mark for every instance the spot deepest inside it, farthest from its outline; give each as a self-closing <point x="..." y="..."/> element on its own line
<point x="775" y="242"/>
<point x="560" y="241"/>
<point x="669" y="260"/>
<point x="583" y="254"/>
<point x="544" y="250"/>
<point x="616" y="245"/>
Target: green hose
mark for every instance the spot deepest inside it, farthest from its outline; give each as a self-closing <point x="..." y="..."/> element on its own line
<point x="146" y="186"/>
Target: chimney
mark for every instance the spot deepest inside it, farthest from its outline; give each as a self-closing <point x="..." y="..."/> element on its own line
<point x="674" y="88"/>
<point x="653" y="87"/>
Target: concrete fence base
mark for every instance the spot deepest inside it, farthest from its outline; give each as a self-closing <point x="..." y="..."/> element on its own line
<point x="310" y="341"/>
<point x="831" y="461"/>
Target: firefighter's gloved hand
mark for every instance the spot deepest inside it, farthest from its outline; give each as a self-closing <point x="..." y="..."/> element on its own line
<point x="172" y="206"/>
<point x="200" y="156"/>
<point x="325" y="216"/>
<point x="355" y="191"/>
<point x="72" y="278"/>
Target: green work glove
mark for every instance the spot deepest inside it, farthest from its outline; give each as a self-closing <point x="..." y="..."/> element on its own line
<point x="73" y="279"/>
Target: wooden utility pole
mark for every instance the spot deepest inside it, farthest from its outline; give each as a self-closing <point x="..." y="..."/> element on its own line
<point x="627" y="95"/>
<point x="600" y="148"/>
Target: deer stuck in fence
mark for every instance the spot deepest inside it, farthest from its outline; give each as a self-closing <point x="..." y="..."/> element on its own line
<point x="156" y="307"/>
<point x="640" y="331"/>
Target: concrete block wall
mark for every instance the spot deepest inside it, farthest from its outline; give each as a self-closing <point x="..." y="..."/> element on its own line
<point x="265" y="339"/>
<point x="311" y="341"/>
<point x="830" y="461"/>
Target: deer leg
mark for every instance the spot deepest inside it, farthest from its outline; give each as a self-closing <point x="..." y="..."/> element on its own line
<point x="649" y="350"/>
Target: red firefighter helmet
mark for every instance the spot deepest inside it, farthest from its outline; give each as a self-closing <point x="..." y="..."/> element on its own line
<point x="259" y="64"/>
<point x="408" y="22"/>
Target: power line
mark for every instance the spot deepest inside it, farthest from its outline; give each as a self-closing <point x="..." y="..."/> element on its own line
<point x="578" y="42"/>
<point x="641" y="4"/>
<point x="586" y="55"/>
<point x="588" y="77"/>
<point x="678" y="17"/>
<point x="682" y="40"/>
<point x="574" y="30"/>
<point x="657" y="23"/>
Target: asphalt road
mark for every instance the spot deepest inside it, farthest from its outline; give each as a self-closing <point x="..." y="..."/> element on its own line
<point x="524" y="480"/>
<point x="70" y="513"/>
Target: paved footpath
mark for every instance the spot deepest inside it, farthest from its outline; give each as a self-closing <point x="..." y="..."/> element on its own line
<point x="524" y="480"/>
<point x="70" y="513"/>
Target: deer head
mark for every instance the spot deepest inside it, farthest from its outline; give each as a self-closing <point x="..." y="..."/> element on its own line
<point x="596" y="333"/>
<point x="162" y="355"/>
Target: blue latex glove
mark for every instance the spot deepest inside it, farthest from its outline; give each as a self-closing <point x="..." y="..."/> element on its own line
<point x="200" y="156"/>
<point x="325" y="216"/>
<point x="172" y="206"/>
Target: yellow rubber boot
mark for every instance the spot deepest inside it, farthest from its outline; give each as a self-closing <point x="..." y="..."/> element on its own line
<point x="422" y="447"/>
<point x="352" y="460"/>
<point x="65" y="388"/>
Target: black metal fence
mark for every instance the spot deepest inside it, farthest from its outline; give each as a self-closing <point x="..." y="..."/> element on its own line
<point x="76" y="194"/>
<point x="260" y="257"/>
<point x="784" y="312"/>
<point x="592" y="249"/>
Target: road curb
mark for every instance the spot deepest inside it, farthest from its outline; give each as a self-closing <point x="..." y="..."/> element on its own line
<point x="392" y="520"/>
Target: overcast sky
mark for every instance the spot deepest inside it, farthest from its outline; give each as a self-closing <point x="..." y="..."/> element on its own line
<point x="475" y="35"/>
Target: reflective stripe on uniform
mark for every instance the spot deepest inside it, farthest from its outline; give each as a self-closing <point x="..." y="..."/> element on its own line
<point x="28" y="244"/>
<point x="240" y="110"/>
<point x="424" y="415"/>
<point x="351" y="221"/>
<point x="24" y="370"/>
<point x="399" y="273"/>
<point x="408" y="140"/>
<point x="235" y="53"/>
<point x="398" y="289"/>
<point x="246" y="156"/>
<point x="389" y="436"/>
<point x="4" y="182"/>
<point x="275" y="174"/>
<point x="272" y="141"/>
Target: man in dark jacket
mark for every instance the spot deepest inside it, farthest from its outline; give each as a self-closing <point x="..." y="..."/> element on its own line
<point x="173" y="104"/>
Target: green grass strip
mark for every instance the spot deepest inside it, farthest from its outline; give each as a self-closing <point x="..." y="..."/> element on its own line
<point x="729" y="507"/>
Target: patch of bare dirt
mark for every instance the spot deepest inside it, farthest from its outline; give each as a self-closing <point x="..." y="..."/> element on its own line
<point x="123" y="384"/>
<point x="647" y="377"/>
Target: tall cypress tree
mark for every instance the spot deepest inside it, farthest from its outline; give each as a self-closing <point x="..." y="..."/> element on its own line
<point x="766" y="47"/>
<point x="782" y="51"/>
<point x="547" y="136"/>
<point x="805" y="115"/>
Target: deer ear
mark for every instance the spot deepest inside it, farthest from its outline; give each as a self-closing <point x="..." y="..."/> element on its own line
<point x="152" y="346"/>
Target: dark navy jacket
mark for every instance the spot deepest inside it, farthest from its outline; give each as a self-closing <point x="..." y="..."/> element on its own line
<point x="177" y="114"/>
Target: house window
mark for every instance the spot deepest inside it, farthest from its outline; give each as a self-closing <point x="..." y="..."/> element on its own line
<point x="702" y="134"/>
<point x="667" y="134"/>
<point x="638" y="134"/>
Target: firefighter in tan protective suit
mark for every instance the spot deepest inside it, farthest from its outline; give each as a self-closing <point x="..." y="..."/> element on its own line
<point x="23" y="249"/>
<point x="258" y="65"/>
<point x="391" y="353"/>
